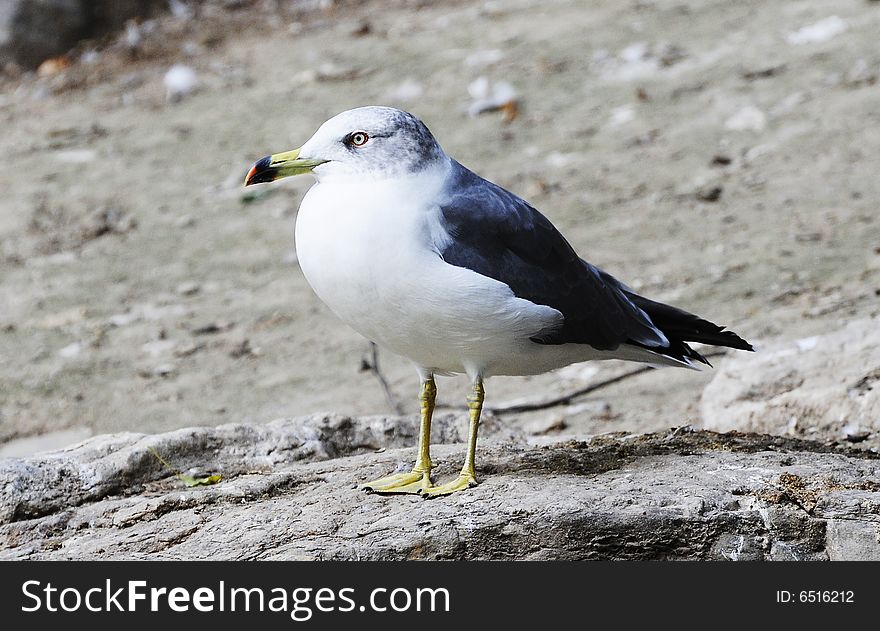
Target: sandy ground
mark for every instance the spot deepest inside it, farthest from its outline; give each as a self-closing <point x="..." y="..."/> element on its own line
<point x="709" y="153"/>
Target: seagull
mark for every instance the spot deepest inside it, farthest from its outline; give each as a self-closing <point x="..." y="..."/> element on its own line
<point x="431" y="261"/>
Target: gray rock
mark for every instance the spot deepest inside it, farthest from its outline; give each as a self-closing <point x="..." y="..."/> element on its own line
<point x="853" y="540"/>
<point x="288" y="492"/>
<point x="109" y="464"/>
<point x="34" y="30"/>
<point x="825" y="387"/>
<point x="31" y="31"/>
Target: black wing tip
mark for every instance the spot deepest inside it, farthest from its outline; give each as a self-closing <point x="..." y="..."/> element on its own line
<point x="681" y="325"/>
<point x="732" y="340"/>
<point x="679" y="349"/>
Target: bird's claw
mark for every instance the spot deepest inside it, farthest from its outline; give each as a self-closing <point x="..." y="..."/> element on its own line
<point x="413" y="482"/>
<point x="462" y="482"/>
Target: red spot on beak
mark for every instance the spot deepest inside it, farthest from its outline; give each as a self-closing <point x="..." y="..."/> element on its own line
<point x="250" y="175"/>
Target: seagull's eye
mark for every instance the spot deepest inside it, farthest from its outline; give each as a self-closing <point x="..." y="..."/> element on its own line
<point x="358" y="138"/>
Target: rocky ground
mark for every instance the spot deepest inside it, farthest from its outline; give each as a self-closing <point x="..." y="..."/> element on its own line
<point x="288" y="492"/>
<point x="716" y="155"/>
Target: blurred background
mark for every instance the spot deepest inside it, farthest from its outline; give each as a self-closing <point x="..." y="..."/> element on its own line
<point x="720" y="156"/>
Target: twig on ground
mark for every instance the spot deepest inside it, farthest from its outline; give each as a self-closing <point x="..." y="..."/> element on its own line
<point x="372" y="364"/>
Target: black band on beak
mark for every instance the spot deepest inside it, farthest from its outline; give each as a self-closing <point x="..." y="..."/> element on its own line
<point x="262" y="171"/>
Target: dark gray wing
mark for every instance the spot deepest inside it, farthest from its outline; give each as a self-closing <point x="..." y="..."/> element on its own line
<point x="495" y="233"/>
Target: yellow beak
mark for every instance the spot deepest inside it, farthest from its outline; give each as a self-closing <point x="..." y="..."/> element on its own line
<point x="279" y="165"/>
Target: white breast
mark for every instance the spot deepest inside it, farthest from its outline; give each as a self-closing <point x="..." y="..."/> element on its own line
<point x="369" y="250"/>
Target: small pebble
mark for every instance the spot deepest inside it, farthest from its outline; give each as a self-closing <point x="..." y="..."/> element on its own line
<point x="180" y="82"/>
<point x="164" y="370"/>
<point x="821" y="31"/>
<point x="244" y="349"/>
<point x="71" y="350"/>
<point x="749" y="118"/>
<point x="189" y="288"/>
<point x="185" y="221"/>
<point x="711" y="193"/>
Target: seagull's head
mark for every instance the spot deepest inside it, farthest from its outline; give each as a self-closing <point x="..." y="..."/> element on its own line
<point x="371" y="141"/>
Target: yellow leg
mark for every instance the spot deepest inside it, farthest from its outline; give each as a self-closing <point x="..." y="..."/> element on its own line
<point x="467" y="478"/>
<point x="419" y="478"/>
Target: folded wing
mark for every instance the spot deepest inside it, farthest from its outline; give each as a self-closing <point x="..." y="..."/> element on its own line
<point x="495" y="233"/>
